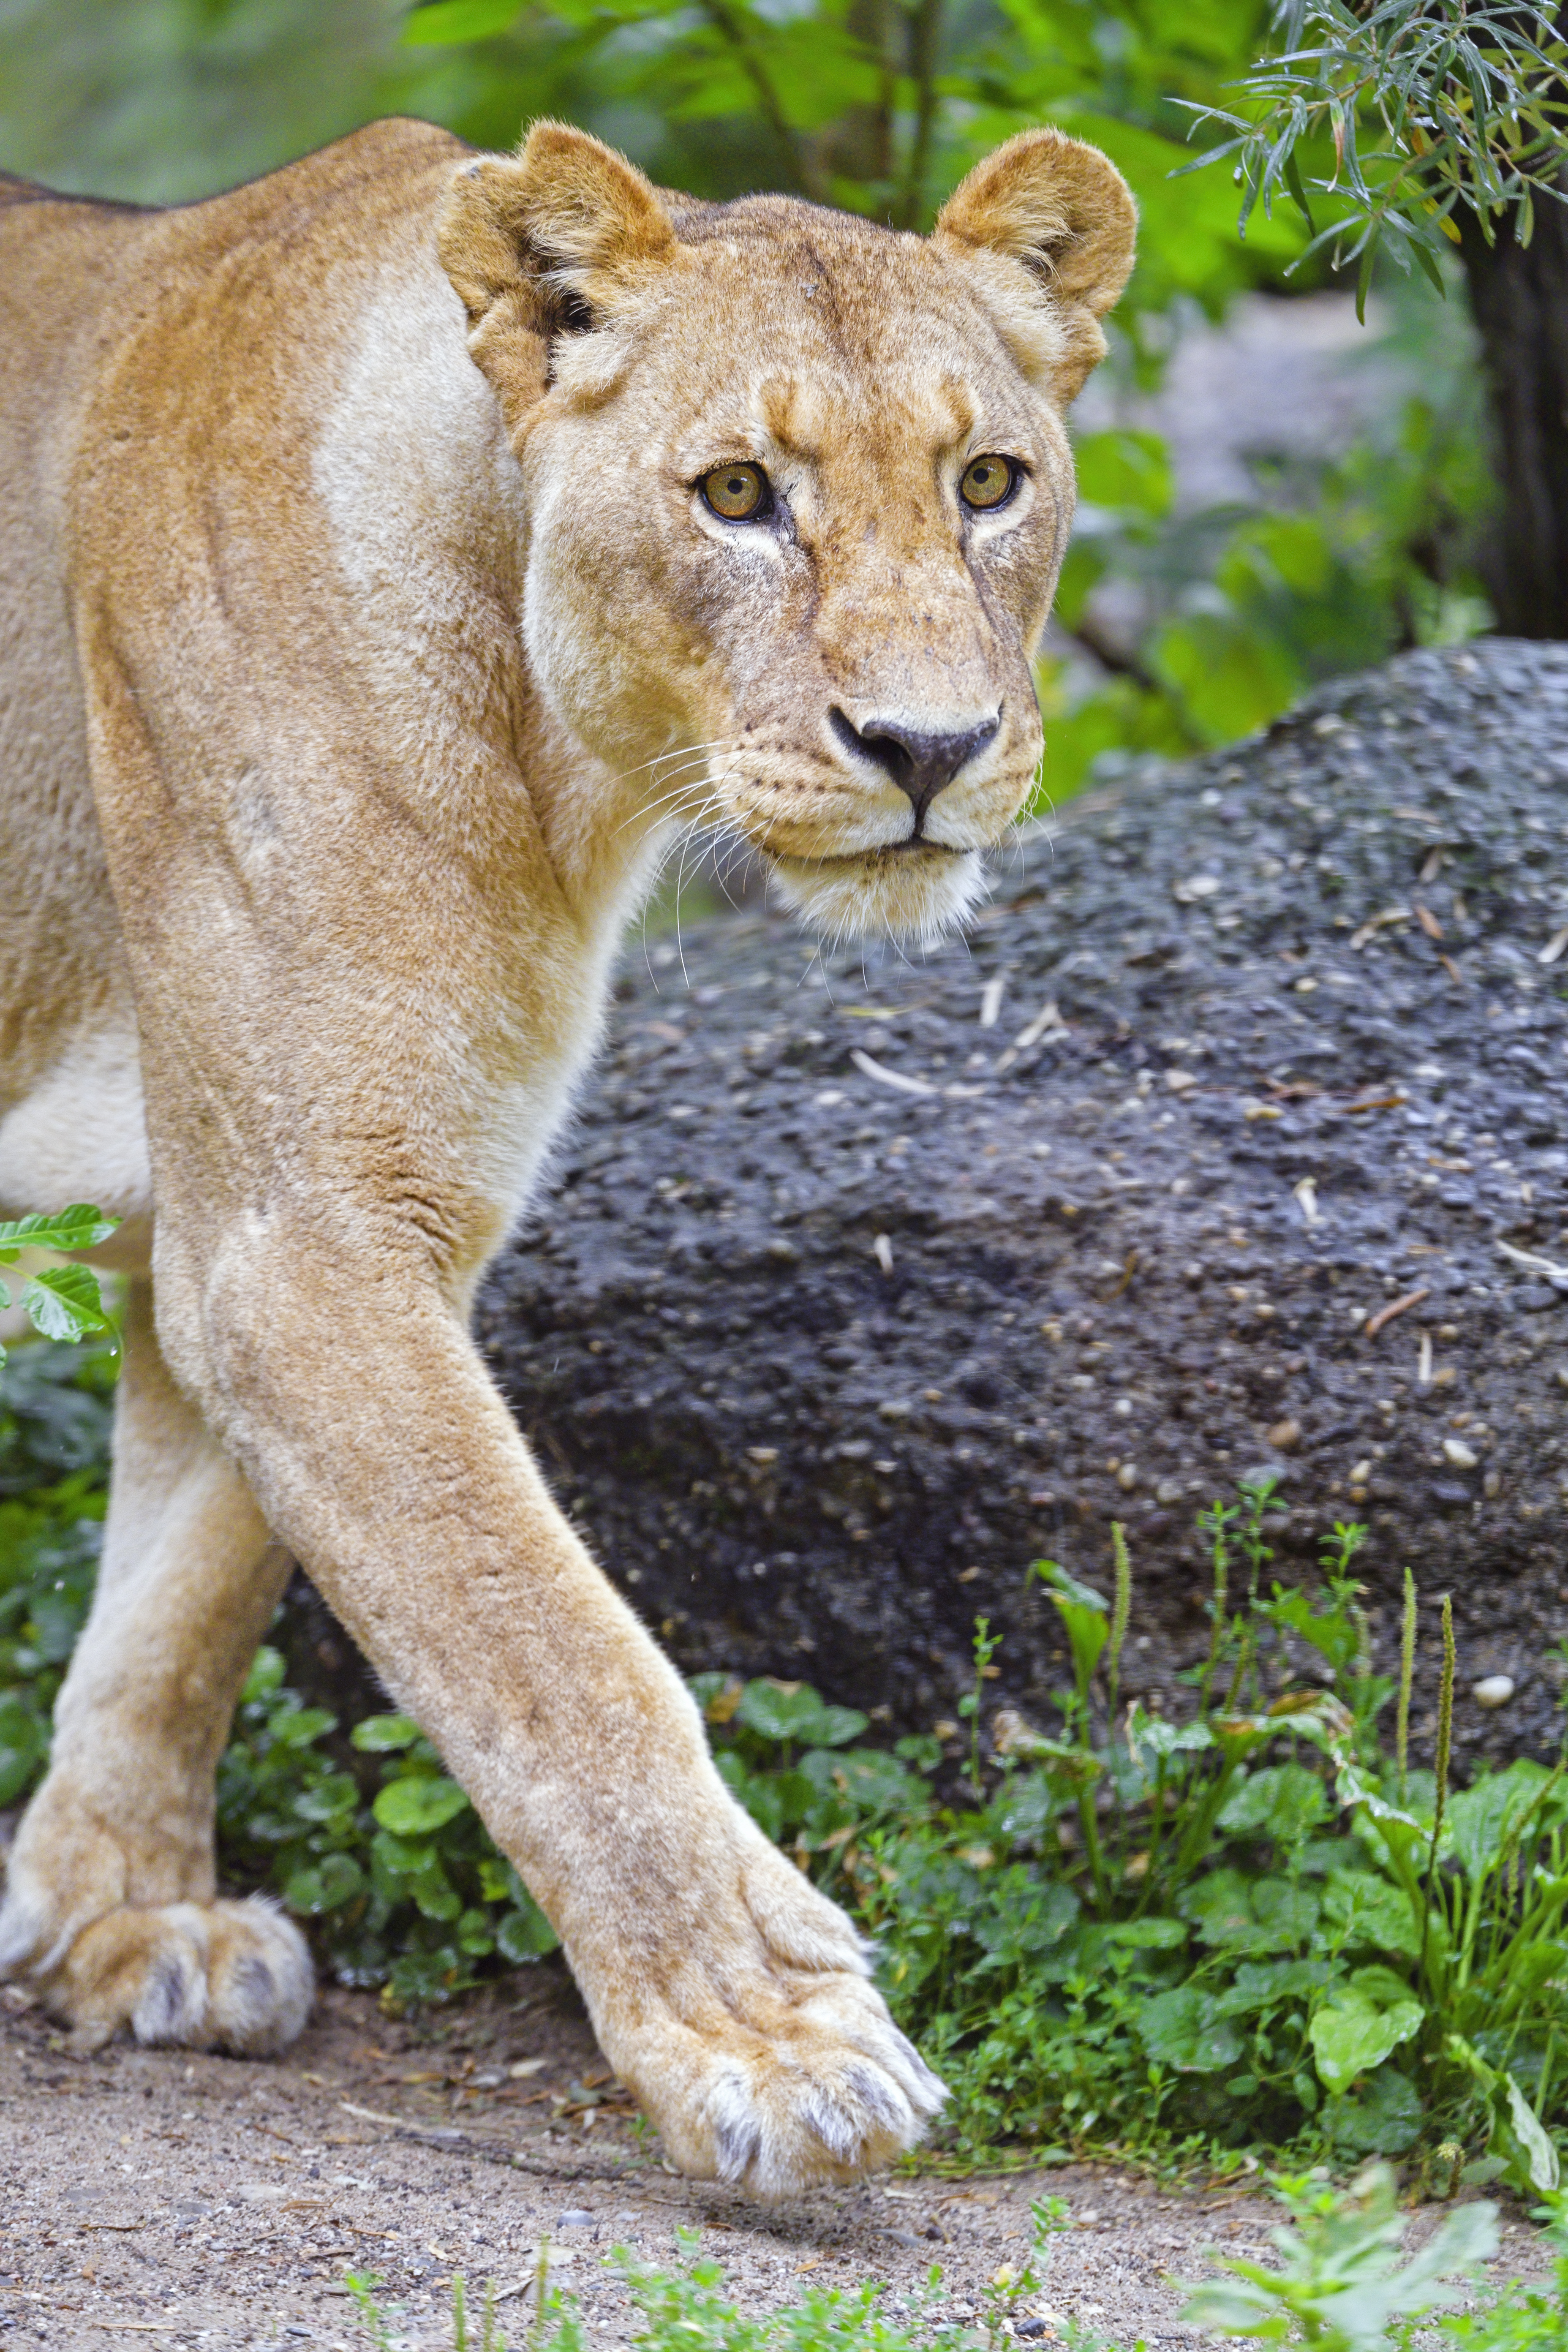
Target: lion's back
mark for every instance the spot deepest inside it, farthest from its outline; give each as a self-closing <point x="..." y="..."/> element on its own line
<point x="108" y="312"/>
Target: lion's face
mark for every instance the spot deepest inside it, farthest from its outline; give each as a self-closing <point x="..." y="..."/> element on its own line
<point x="799" y="491"/>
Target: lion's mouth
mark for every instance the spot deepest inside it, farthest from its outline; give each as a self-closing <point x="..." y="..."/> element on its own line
<point x="886" y="854"/>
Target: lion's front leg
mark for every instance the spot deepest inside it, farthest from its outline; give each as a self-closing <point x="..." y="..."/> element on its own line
<point x="110" y="1907"/>
<point x="730" y="1994"/>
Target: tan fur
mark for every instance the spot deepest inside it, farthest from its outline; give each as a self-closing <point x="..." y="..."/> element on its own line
<point x="350" y="694"/>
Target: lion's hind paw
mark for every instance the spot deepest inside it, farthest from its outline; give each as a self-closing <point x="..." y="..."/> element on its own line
<point x="205" y="1976"/>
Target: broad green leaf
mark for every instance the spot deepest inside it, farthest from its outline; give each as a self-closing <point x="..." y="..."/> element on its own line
<point x="867" y="1778"/>
<point x="334" y="1881"/>
<point x="1283" y="1802"/>
<point x="1381" y="2116"/>
<point x="65" y="1303"/>
<point x="1482" y="1817"/>
<point x="1365" y="2021"/>
<point x="76" y="1228"/>
<point x="1263" y="1915"/>
<point x="1146" y="1934"/>
<point x="415" y="1807"/>
<point x="24" y="1745"/>
<point x="1183" y="2029"/>
<point x="794" y="1711"/>
<point x="1518" y="2136"/>
<point x="265" y="1676"/>
<point x="1260" y="1985"/>
<point x="525" y="1934"/>
<point x="1152" y="1733"/>
<point x="378" y="1734"/>
<point x="1361" y="1907"/>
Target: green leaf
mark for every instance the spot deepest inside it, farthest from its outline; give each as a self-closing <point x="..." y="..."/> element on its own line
<point x="380" y="1733"/>
<point x="1284" y="1801"/>
<point x="1146" y="1934"/>
<point x="1482" y="1817"/>
<point x="1260" y="1985"/>
<point x="1181" y="2029"/>
<point x="76" y="1228"/>
<point x="1366" y="2020"/>
<point x="781" y="1711"/>
<point x="1264" y="1915"/>
<point x="1361" y="1907"/>
<point x="1151" y="1732"/>
<point x="525" y="1934"/>
<point x="415" y="1807"/>
<point x="433" y="21"/>
<point x="65" y="1303"/>
<point x="1382" y="2116"/>
<point x="334" y="1881"/>
<point x="1518" y="2134"/>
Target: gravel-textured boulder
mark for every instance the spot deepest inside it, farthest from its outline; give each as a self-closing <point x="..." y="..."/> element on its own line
<point x="1234" y="1136"/>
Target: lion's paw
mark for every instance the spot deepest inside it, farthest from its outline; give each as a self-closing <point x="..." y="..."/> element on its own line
<point x="777" y="2067"/>
<point x="206" y="1976"/>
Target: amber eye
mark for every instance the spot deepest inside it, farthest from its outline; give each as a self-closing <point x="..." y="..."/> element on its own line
<point x="739" y="493"/>
<point x="988" y="482"/>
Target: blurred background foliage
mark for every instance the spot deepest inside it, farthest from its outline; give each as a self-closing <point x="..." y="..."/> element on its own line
<point x="1186" y="618"/>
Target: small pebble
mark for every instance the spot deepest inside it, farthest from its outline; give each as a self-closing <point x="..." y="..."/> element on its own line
<point x="1456" y="1452"/>
<point x="1492" y="1690"/>
<point x="576" y="2220"/>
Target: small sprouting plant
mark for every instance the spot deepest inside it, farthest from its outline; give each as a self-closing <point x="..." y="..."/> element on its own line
<point x="1339" y="2286"/>
<point x="985" y="1646"/>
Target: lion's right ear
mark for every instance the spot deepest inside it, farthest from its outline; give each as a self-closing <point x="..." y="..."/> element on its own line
<point x="537" y="245"/>
<point x="1049" y="227"/>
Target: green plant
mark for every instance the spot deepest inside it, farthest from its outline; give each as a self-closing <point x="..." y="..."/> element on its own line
<point x="55" y="1417"/>
<point x="62" y="1302"/>
<point x="690" y="2306"/>
<point x="1254" y="1927"/>
<point x="1338" y="2288"/>
<point x="1414" y="108"/>
<point x="1518" y="2318"/>
<point x="379" y="1848"/>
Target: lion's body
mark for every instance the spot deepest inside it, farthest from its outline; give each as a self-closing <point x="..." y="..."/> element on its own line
<point x="339" y="676"/>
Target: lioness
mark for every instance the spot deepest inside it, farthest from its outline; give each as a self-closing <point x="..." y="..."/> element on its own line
<point x="394" y="555"/>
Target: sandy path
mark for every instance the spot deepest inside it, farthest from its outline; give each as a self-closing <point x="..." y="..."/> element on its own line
<point x="154" y="2197"/>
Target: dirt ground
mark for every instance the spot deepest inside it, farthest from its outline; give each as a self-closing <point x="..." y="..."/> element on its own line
<point x="202" y="2200"/>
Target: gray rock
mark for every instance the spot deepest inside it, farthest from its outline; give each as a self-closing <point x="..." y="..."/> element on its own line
<point x="820" y="1364"/>
<point x="1133" y="1248"/>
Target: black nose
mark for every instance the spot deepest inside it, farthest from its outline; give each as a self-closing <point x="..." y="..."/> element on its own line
<point x="921" y="764"/>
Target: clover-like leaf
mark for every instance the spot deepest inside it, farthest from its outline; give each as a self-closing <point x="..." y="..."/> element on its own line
<point x="415" y="1807"/>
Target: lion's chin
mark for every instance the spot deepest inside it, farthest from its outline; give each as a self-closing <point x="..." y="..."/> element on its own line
<point x="915" y="896"/>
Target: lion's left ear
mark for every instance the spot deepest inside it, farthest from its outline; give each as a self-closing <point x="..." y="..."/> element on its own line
<point x="1050" y="225"/>
<point x="538" y="243"/>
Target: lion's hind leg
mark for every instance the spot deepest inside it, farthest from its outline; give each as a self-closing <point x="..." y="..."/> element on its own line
<point x="110" y="1910"/>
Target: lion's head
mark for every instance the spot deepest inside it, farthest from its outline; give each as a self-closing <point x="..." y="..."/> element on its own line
<point x="798" y="491"/>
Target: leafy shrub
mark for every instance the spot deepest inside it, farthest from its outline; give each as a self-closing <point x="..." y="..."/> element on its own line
<point x="1255" y="1927"/>
<point x="391" y="1862"/>
<point x="55" y="1417"/>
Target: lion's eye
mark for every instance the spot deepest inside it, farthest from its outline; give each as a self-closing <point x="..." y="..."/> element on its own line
<point x="989" y="482"/>
<point x="739" y="493"/>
